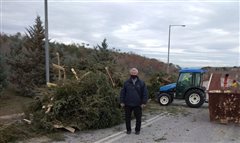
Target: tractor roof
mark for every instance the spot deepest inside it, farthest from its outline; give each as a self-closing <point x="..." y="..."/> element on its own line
<point x="192" y="71"/>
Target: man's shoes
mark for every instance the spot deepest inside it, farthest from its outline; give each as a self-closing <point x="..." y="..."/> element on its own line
<point x="137" y="132"/>
<point x="128" y="132"/>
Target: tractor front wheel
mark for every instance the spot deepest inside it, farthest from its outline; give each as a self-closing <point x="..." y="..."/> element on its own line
<point x="164" y="99"/>
<point x="194" y="98"/>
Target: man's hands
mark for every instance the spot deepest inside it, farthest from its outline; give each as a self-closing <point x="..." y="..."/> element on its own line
<point x="142" y="106"/>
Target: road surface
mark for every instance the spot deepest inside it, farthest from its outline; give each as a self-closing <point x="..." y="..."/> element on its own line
<point x="174" y="123"/>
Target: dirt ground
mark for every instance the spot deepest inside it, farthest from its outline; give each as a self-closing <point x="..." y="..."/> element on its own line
<point x="174" y="123"/>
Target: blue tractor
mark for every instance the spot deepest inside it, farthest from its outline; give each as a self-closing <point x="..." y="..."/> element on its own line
<point x="188" y="87"/>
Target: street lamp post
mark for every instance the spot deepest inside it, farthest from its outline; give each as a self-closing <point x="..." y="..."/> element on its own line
<point x="46" y="42"/>
<point x="169" y="39"/>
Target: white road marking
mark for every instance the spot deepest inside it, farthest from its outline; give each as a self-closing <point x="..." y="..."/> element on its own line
<point x="121" y="134"/>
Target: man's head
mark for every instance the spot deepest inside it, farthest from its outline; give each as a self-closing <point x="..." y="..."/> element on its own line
<point x="133" y="72"/>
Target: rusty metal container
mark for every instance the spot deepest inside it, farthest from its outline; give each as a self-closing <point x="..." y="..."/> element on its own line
<point x="224" y="102"/>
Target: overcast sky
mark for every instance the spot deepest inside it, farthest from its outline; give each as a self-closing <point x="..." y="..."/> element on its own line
<point x="210" y="38"/>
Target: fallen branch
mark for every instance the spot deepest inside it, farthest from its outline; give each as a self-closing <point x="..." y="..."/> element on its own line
<point x="106" y="68"/>
<point x="28" y="121"/>
<point x="84" y="75"/>
<point x="74" y="72"/>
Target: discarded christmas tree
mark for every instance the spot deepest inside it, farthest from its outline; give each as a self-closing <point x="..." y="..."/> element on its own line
<point x="87" y="104"/>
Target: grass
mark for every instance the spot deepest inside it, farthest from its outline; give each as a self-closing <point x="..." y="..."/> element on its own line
<point x="13" y="132"/>
<point x="19" y="131"/>
<point x="10" y="103"/>
<point x="10" y="129"/>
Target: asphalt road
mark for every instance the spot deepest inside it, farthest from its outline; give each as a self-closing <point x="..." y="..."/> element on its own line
<point x="174" y="123"/>
<point x="193" y="126"/>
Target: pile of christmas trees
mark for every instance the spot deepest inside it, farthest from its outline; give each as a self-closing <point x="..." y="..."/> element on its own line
<point x="90" y="103"/>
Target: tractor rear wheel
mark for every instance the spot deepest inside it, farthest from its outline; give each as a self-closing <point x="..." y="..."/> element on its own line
<point x="194" y="98"/>
<point x="164" y="99"/>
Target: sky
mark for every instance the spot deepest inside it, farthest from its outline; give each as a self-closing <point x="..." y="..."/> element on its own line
<point x="210" y="37"/>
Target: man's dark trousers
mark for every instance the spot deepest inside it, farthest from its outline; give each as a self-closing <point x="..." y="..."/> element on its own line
<point x="137" y="110"/>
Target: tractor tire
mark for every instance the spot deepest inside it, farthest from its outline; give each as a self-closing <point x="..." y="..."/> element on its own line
<point x="164" y="99"/>
<point x="194" y="98"/>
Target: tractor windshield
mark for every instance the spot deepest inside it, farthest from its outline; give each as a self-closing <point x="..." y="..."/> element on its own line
<point x="190" y="79"/>
<point x="185" y="79"/>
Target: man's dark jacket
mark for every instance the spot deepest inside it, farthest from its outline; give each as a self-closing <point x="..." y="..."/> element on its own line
<point x="134" y="95"/>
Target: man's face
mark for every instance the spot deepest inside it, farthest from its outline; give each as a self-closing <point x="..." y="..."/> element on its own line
<point x="134" y="71"/>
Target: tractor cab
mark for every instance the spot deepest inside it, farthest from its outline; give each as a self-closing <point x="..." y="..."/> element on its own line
<point x="188" y="87"/>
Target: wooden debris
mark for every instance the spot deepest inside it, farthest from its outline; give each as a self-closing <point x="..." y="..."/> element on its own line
<point x="58" y="67"/>
<point x="49" y="108"/>
<point x="51" y="84"/>
<point x="28" y="121"/>
<point x="59" y="71"/>
<point x="75" y="74"/>
<point x="57" y="126"/>
<point x="106" y="68"/>
<point x="72" y="130"/>
<point x="84" y="75"/>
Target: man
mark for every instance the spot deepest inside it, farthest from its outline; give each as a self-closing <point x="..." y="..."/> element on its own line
<point x="225" y="82"/>
<point x="133" y="98"/>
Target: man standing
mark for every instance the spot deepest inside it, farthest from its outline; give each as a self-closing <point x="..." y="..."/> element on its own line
<point x="133" y="98"/>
